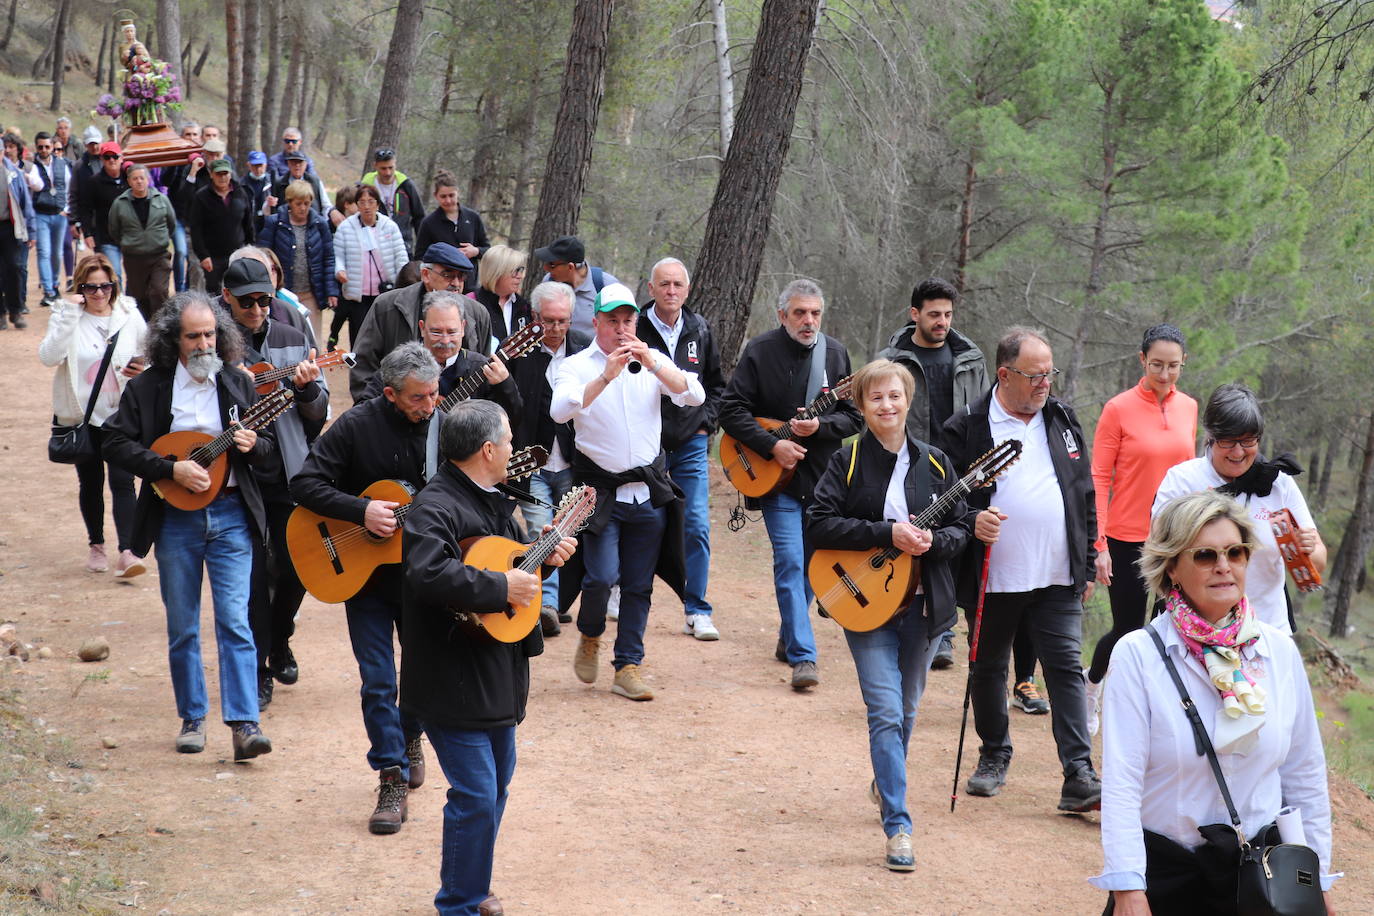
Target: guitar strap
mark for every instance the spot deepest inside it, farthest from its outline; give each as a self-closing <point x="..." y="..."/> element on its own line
<point x="816" y="381"/>
<point x="432" y="444"/>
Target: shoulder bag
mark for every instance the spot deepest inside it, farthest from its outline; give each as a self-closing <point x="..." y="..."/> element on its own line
<point x="73" y="444"/>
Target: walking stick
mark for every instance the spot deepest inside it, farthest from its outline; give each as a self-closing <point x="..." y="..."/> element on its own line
<point x="968" y="683"/>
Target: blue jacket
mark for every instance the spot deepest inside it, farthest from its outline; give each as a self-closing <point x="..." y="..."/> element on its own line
<point x="319" y="249"/>
<point x="21" y="199"/>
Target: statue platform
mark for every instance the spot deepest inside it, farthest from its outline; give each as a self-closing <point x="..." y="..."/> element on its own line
<point x="156" y="145"/>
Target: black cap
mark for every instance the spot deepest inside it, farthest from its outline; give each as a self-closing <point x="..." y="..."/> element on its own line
<point x="565" y="248"/>
<point x="447" y="255"/>
<point x="295" y="154"/>
<point x="247" y="276"/>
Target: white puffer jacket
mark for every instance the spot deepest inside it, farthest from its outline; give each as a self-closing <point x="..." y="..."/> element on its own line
<point x="350" y="257"/>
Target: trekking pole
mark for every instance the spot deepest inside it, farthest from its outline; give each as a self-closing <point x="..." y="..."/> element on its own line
<point x="968" y="683"/>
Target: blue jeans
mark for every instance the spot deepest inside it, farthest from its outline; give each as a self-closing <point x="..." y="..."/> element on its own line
<point x="688" y="467"/>
<point x="179" y="256"/>
<point x="218" y="538"/>
<point x="625" y="551"/>
<point x="478" y="764"/>
<point x="784" y="517"/>
<point x="52" y="228"/>
<point x="116" y="260"/>
<point x="550" y="486"/>
<point x="892" y="663"/>
<point x="372" y="615"/>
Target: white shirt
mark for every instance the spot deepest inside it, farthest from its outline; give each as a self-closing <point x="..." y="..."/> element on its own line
<point x="1152" y="776"/>
<point x="895" y="508"/>
<point x="669" y="334"/>
<point x="1032" y="550"/>
<point x="622" y="428"/>
<point x="557" y="460"/>
<point x="195" y="407"/>
<point x="1265" y="576"/>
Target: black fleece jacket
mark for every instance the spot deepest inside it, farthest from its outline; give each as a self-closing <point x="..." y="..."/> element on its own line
<point x="696" y="353"/>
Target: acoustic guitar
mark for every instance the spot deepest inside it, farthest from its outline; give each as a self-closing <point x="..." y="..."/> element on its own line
<point x="755" y="475"/>
<point x="515" y="346"/>
<point x="863" y="589"/>
<point x="266" y="375"/>
<point x="211" y="452"/>
<point x="335" y="558"/>
<point x="498" y="554"/>
<point x="1299" y="564"/>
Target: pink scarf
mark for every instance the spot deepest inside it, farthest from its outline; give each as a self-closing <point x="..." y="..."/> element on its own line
<point x="1219" y="647"/>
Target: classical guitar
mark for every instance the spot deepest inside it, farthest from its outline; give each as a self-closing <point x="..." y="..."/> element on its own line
<point x="266" y="375"/>
<point x="755" y="475"/>
<point x="863" y="589"/>
<point x="1299" y="565"/>
<point x="514" y="622"/>
<point x="211" y="452"/>
<point x="515" y="346"/>
<point x="335" y="558"/>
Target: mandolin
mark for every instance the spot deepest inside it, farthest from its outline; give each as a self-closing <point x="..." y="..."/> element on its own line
<point x="335" y="558"/>
<point x="266" y="375"/>
<point x="755" y="475"/>
<point x="1299" y="564"/>
<point x="211" y="452"/>
<point x="499" y="554"/>
<point x="515" y="346"/>
<point x="864" y="589"/>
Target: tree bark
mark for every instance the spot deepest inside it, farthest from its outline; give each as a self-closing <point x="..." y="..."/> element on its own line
<point x="59" y="54"/>
<point x="293" y="78"/>
<point x="330" y="98"/>
<point x="400" y="62"/>
<point x="250" y="106"/>
<point x="570" y="152"/>
<point x="233" y="41"/>
<point x="271" y="90"/>
<point x="520" y="193"/>
<point x="350" y="106"/>
<point x="100" y="58"/>
<point x="727" y="269"/>
<point x="483" y="171"/>
<point x="725" y="75"/>
<point x="9" y="25"/>
<point x="204" y="56"/>
<point x="1355" y="544"/>
<point x="169" y="36"/>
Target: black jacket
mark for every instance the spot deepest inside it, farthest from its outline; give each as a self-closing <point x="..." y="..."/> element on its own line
<point x="436" y="227"/>
<point x="846" y="514"/>
<point x="98" y="194"/>
<point x="182" y="190"/>
<point x="278" y="190"/>
<point x="280" y="344"/>
<point x="968" y="437"/>
<point x="520" y="313"/>
<point x="448" y="677"/>
<point x="217" y="227"/>
<point x="770" y="381"/>
<point x="696" y="353"/>
<point x="506" y="394"/>
<point x="145" y="413"/>
<point x="536" y="427"/>
<point x="258" y="189"/>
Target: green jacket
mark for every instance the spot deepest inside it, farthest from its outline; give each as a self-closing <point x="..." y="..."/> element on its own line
<point x="131" y="235"/>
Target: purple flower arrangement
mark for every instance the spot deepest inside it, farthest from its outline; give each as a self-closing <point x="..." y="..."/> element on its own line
<point x="152" y="88"/>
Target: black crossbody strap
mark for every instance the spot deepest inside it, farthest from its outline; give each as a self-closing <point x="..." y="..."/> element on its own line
<point x="100" y="378"/>
<point x="1200" y="737"/>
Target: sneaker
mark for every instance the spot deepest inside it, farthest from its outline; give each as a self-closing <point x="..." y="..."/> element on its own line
<point x="1094" y="692"/>
<point x="415" y="759"/>
<point x="899" y="856"/>
<point x="282" y="662"/>
<point x="613" y="604"/>
<point x="1082" y="791"/>
<point x="629" y="683"/>
<point x="548" y="621"/>
<point x="944" y="656"/>
<point x="95" y="560"/>
<point x="19" y="322"/>
<point x="780" y="651"/>
<point x="264" y="689"/>
<point x="192" y="737"/>
<point x="585" y="660"/>
<point x="804" y="675"/>
<point x="47" y="300"/>
<point x="989" y="778"/>
<point x="700" y="626"/>
<point x="129" y="565"/>
<point x="1027" y="698"/>
<point x="564" y="617"/>
<point x="390" y="812"/>
<point x="249" y="741"/>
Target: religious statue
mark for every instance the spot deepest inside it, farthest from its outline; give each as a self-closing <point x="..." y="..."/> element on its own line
<point x="133" y="55"/>
<point x="150" y="86"/>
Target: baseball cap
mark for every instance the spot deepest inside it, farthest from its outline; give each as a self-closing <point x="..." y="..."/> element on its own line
<point x="447" y="255"/>
<point x="614" y="296"/>
<point x="257" y="157"/>
<point x="247" y="276"/>
<point x="221" y="165"/>
<point x="92" y="135"/>
<point x="295" y="155"/>
<point x="109" y="146"/>
<point x="564" y="248"/>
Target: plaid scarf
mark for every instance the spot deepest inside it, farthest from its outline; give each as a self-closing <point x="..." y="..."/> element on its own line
<point x="1218" y="646"/>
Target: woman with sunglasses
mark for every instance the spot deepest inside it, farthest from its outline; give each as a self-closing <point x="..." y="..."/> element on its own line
<point x="1167" y="839"/>
<point x="78" y="333"/>
<point x="1141" y="434"/>
<point x="1232" y="463"/>
<point x="368" y="252"/>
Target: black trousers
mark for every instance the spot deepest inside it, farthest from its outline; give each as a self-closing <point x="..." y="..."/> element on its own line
<point x="1194" y="882"/>
<point x="1128" y="593"/>
<point x="14" y="272"/>
<point x="277" y="590"/>
<point x="90" y="478"/>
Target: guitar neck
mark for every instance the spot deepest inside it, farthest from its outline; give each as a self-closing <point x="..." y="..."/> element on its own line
<point x="466" y="386"/>
<point x="823" y="403"/>
<point x="259" y="415"/>
<point x="327" y="361"/>
<point x="544" y="547"/>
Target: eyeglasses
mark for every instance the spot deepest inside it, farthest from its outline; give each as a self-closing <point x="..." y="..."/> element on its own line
<point x="1226" y="445"/>
<point x="1206" y="557"/>
<point x="259" y="302"/>
<point x="550" y="265"/>
<point x="1157" y="367"/>
<point x="444" y="333"/>
<point x="518" y="272"/>
<point x="1040" y="378"/>
<point x="555" y="322"/>
<point x="90" y="288"/>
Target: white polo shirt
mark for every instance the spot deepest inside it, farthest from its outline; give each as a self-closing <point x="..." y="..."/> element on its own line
<point x="1032" y="550"/>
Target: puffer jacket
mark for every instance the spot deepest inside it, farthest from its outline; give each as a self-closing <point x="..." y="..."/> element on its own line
<point x="319" y="251"/>
<point x="350" y="256"/>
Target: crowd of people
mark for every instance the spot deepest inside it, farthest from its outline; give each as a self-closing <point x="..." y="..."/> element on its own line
<point x="195" y="291"/>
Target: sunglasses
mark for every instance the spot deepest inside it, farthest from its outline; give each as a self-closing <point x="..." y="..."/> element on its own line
<point x="110" y="156"/>
<point x="291" y="139"/>
<point x="384" y="155"/>
<point x="89" y="288"/>
<point x="1206" y="557"/>
<point x="259" y="302"/>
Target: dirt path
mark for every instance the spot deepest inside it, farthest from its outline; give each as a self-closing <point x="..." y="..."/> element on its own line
<point x="729" y="793"/>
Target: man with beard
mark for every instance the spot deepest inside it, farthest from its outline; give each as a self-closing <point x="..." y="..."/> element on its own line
<point x="187" y="387"/>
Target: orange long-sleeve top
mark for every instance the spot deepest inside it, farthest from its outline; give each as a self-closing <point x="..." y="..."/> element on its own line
<point x="1138" y="439"/>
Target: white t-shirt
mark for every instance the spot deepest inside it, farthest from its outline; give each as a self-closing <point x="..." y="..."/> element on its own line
<point x="1265" y="577"/>
<point x="1032" y="549"/>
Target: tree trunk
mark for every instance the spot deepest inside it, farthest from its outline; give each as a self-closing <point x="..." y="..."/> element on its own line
<point x="727" y="269"/>
<point x="169" y="40"/>
<point x="293" y="78"/>
<point x="9" y="25"/>
<point x="483" y="171"/>
<point x="1324" y="478"/>
<point x="233" y="42"/>
<point x="350" y="106"/>
<point x="570" y="152"/>
<point x="330" y="98"/>
<point x="100" y="58"/>
<point x="271" y="90"/>
<point x="961" y="258"/>
<point x="250" y="88"/>
<point x="59" y="54"/>
<point x="304" y="85"/>
<point x="204" y="56"/>
<point x="725" y="76"/>
<point x="524" y="143"/>
<point x="314" y="95"/>
<point x="400" y="62"/>
<point x="1355" y="544"/>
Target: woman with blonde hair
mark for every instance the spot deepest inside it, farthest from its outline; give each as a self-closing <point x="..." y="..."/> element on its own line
<point x="301" y="240"/>
<point x="500" y="273"/>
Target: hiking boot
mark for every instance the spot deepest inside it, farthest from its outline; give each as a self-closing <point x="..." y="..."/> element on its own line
<point x="899" y="856"/>
<point x="390" y="812"/>
<point x="1082" y="791"/>
<point x="192" y="737"/>
<point x="129" y="565"/>
<point x="282" y="663"/>
<point x="1027" y="698"/>
<point x="700" y="626"/>
<point x="804" y="675"/>
<point x="780" y="651"/>
<point x="944" y="656"/>
<point x="95" y="560"/>
<point x="585" y="661"/>
<point x="1094" y="692"/>
<point x="249" y="741"/>
<point x="264" y="689"/>
<point x="629" y="683"/>
<point x="19" y="322"/>
<point x="415" y="758"/>
<point x="548" y="621"/>
<point x="989" y="778"/>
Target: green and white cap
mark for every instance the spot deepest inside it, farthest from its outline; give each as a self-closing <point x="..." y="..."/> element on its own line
<point x="613" y="296"/>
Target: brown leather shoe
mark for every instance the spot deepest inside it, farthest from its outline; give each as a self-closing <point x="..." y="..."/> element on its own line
<point x="491" y="907"/>
<point x="415" y="757"/>
<point x="390" y="813"/>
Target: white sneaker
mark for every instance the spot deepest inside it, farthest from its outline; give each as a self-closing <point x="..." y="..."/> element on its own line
<point x="1094" y="692"/>
<point x="613" y="604"/>
<point x="700" y="626"/>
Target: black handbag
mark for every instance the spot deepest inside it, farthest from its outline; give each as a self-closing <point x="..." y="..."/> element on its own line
<point x="1279" y="879"/>
<point x="383" y="286"/>
<point x="73" y="444"/>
